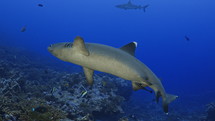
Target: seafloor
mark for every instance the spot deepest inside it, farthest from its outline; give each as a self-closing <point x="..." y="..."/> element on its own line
<point x="37" y="88"/>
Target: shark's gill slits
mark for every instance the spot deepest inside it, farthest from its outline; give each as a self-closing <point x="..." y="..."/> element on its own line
<point x="68" y="45"/>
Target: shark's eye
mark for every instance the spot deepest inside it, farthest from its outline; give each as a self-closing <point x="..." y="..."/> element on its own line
<point x="50" y="45"/>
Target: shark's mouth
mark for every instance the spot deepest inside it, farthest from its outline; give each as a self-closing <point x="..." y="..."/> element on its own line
<point x="50" y="49"/>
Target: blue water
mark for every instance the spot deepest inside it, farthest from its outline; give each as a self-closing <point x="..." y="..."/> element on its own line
<point x="186" y="68"/>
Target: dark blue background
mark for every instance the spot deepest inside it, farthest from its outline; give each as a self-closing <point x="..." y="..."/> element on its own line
<point x="185" y="67"/>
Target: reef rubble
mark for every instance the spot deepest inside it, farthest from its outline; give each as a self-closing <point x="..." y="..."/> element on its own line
<point x="210" y="112"/>
<point x="29" y="93"/>
<point x="36" y="88"/>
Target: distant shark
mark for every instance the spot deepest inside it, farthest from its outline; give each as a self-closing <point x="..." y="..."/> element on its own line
<point x="130" y="5"/>
<point x="117" y="61"/>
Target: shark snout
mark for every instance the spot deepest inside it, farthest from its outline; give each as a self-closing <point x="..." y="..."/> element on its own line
<point x="50" y="49"/>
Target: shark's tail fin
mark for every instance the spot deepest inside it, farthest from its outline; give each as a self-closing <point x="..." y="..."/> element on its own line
<point x="169" y="98"/>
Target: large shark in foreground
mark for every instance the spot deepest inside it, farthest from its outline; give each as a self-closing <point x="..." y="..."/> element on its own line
<point x="117" y="61"/>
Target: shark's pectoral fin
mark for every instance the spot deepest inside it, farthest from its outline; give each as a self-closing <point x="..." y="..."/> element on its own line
<point x="137" y="86"/>
<point x="80" y="47"/>
<point x="157" y="95"/>
<point x="89" y="75"/>
<point x="130" y="48"/>
<point x="148" y="90"/>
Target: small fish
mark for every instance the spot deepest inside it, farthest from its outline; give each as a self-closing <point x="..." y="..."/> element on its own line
<point x="66" y="85"/>
<point x="83" y="93"/>
<point x="187" y="38"/>
<point x="40" y="5"/>
<point x="40" y="109"/>
<point x="104" y="83"/>
<point x="23" y="29"/>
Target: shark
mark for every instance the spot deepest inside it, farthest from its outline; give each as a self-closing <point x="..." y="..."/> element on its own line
<point x="130" y="5"/>
<point x="120" y="62"/>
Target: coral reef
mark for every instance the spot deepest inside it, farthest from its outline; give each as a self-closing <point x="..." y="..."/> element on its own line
<point x="35" y="91"/>
<point x="210" y="112"/>
<point x="28" y="110"/>
<point x="80" y="100"/>
<point x="31" y="92"/>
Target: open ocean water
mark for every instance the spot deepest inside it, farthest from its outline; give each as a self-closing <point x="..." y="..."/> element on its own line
<point x="176" y="40"/>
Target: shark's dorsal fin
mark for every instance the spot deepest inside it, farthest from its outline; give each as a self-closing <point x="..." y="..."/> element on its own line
<point x="80" y="46"/>
<point x="130" y="48"/>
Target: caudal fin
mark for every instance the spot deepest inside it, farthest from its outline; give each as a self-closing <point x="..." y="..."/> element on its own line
<point x="169" y="98"/>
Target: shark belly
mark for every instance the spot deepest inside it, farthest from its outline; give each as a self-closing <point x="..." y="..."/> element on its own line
<point x="113" y="67"/>
<point x="111" y="60"/>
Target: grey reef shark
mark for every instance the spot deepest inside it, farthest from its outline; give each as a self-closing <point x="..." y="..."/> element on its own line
<point x="130" y="5"/>
<point x="120" y="62"/>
